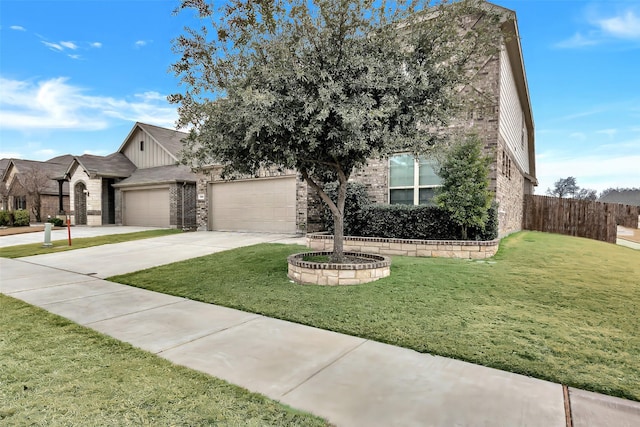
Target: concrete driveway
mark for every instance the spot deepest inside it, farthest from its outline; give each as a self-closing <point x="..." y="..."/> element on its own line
<point x="110" y="260"/>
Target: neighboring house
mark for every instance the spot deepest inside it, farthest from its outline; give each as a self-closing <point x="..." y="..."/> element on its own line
<point x="140" y="184"/>
<point x="25" y="180"/>
<point x="629" y="197"/>
<point x="281" y="202"/>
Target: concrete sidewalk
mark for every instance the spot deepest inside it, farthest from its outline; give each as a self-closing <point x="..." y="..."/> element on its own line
<point x="348" y="380"/>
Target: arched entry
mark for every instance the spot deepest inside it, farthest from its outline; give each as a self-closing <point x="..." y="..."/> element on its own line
<point x="80" y="203"/>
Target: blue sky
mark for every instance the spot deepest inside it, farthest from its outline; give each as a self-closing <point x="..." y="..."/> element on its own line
<point x="76" y="75"/>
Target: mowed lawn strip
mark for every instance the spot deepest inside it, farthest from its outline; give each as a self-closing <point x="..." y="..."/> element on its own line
<point x="554" y="307"/>
<point x="19" y="251"/>
<point x="54" y="372"/>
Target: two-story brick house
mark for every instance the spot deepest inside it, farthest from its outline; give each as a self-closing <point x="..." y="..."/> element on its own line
<point x="281" y="201"/>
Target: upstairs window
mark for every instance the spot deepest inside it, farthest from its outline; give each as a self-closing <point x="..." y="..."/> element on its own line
<point x="141" y="145"/>
<point x="412" y="181"/>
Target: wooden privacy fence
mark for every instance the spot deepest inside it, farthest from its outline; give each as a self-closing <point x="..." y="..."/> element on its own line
<point x="581" y="218"/>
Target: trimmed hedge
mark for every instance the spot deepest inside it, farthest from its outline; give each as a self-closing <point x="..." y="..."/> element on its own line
<point x="57" y="222"/>
<point x="415" y="222"/>
<point x="420" y="222"/>
<point x="20" y="218"/>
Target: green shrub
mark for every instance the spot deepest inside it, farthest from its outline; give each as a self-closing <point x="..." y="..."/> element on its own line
<point x="357" y="199"/>
<point x="20" y="218"/>
<point x="420" y="222"/>
<point x="57" y="222"/>
<point x="5" y="218"/>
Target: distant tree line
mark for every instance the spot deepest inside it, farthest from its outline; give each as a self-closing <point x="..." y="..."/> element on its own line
<point x="568" y="188"/>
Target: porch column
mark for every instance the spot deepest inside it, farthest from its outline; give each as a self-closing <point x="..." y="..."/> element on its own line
<point x="60" y="197"/>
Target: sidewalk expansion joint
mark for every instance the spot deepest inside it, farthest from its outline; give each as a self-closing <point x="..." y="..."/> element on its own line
<point x="567" y="406"/>
<point x="133" y="312"/>
<point x="208" y="334"/>
<point x="80" y="297"/>
<point x="340" y="356"/>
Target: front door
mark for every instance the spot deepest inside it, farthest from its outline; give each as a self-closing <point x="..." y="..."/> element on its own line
<point x="80" y="204"/>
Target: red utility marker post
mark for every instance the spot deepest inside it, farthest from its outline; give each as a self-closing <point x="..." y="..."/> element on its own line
<point x="69" y="228"/>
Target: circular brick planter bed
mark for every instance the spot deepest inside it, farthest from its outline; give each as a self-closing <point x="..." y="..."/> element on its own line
<point x="359" y="268"/>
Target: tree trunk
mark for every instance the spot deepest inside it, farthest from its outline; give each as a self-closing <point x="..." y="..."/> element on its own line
<point x="338" y="239"/>
<point x="337" y="210"/>
<point x="338" y="221"/>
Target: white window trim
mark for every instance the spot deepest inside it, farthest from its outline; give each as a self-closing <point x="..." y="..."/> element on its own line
<point x="416" y="180"/>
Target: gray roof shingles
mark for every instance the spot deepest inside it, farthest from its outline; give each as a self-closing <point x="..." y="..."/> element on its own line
<point x="115" y="165"/>
<point x="158" y="175"/>
<point x="625" y="197"/>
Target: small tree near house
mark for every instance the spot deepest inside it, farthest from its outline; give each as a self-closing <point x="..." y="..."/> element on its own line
<point x="34" y="181"/>
<point x="465" y="184"/>
<point x="321" y="86"/>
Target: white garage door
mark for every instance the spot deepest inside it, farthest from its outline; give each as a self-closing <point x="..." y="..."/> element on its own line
<point x="265" y="205"/>
<point x="148" y="208"/>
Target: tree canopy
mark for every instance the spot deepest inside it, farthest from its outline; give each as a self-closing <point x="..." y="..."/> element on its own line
<point x="568" y="187"/>
<point x="321" y="86"/>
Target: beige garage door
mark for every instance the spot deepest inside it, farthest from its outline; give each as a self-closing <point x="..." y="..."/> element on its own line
<point x="148" y="208"/>
<point x="265" y="205"/>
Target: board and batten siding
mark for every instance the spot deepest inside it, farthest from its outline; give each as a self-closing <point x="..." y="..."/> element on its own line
<point x="512" y="126"/>
<point x="151" y="156"/>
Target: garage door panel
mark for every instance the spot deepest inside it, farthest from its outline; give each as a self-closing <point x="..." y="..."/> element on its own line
<point x="148" y="208"/>
<point x="266" y="205"/>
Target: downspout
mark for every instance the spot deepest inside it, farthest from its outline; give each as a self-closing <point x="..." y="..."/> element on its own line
<point x="183" y="186"/>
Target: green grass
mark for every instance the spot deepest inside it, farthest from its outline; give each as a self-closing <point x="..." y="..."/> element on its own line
<point x="54" y="372"/>
<point x="19" y="251"/>
<point x="554" y="307"/>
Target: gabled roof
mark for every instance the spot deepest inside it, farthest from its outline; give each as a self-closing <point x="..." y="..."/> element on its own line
<point x="158" y="175"/>
<point x="170" y="140"/>
<point x="114" y="165"/>
<point x="625" y="197"/>
<point x="52" y="170"/>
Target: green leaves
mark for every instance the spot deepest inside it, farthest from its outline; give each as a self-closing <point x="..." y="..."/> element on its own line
<point x="465" y="184"/>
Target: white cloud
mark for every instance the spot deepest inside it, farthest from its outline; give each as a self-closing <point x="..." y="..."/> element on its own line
<point x="590" y="171"/>
<point x="53" y="46"/>
<point x="626" y="26"/>
<point x="56" y="104"/>
<point x="10" y="155"/>
<point x="69" y="45"/>
<point x="96" y="45"/>
<point x="576" y="41"/>
<point x="609" y="132"/>
<point x="46" y="153"/>
<point x="623" y="26"/>
<point x="141" y="43"/>
<point x="75" y="56"/>
<point x="17" y="28"/>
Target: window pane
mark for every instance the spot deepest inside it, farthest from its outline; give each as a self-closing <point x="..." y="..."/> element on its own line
<point x="401" y="170"/>
<point x="401" y="197"/>
<point x="427" y="173"/>
<point x="426" y="196"/>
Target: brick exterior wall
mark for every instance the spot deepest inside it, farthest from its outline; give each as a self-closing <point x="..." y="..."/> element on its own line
<point x="179" y="217"/>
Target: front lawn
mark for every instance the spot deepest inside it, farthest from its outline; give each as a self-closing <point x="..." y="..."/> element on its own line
<point x="54" y="372"/>
<point x="554" y="307"/>
<point x="19" y="251"/>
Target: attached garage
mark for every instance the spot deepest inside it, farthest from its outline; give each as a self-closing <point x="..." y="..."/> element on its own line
<point x="262" y="205"/>
<point x="148" y="207"/>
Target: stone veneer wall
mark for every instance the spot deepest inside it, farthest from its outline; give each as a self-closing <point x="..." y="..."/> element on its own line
<point x="465" y="249"/>
<point x="316" y="273"/>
